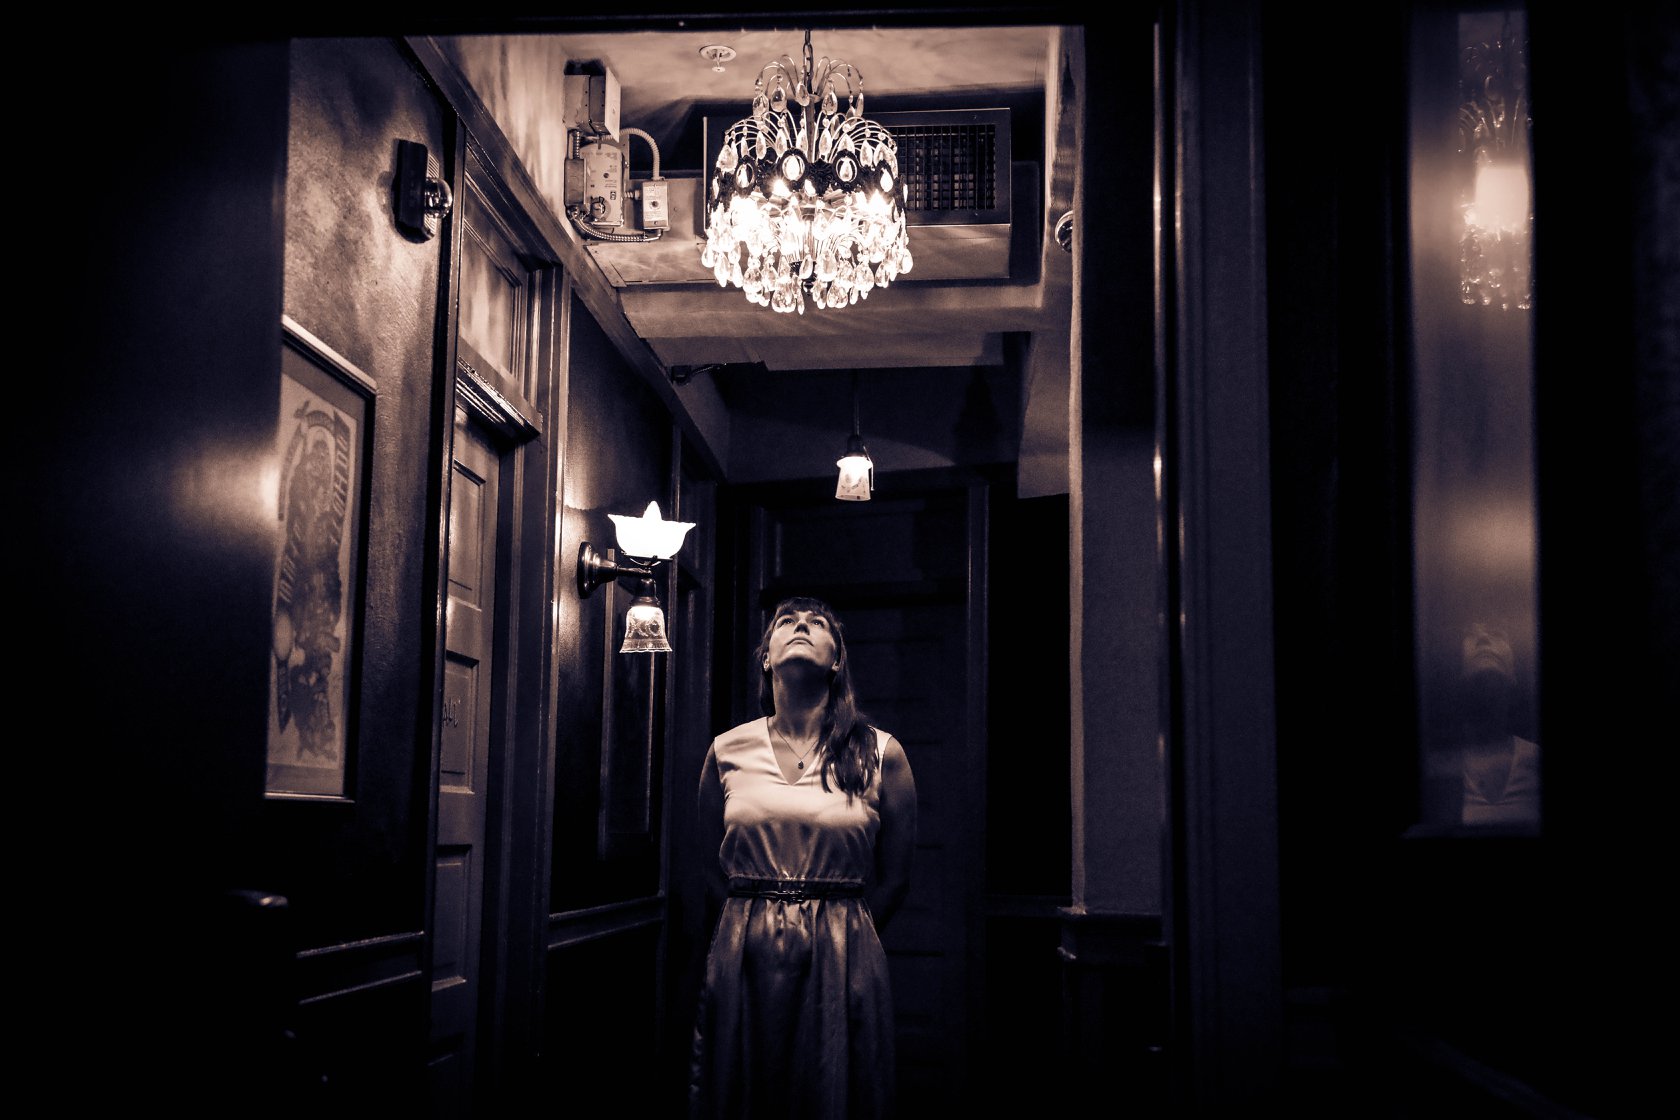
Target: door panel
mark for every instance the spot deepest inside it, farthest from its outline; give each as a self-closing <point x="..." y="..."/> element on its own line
<point x="466" y="741"/>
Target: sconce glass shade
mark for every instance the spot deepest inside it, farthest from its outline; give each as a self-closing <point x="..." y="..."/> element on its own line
<point x="650" y="537"/>
<point x="644" y="626"/>
<point x="857" y="473"/>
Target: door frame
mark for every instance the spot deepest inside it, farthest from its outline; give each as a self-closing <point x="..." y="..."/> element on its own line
<point x="528" y="431"/>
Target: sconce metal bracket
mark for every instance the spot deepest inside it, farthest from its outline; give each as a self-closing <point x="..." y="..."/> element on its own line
<point x="593" y="570"/>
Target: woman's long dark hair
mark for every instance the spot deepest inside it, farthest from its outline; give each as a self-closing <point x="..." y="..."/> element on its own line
<point x="850" y="758"/>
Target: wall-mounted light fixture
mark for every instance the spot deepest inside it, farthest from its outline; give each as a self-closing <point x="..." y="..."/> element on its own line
<point x="1494" y="192"/>
<point x="421" y="193"/>
<point x="857" y="472"/>
<point x="644" y="543"/>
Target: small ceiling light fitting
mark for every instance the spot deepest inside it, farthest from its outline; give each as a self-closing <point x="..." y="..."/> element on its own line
<point x="857" y="471"/>
<point x="717" y="54"/>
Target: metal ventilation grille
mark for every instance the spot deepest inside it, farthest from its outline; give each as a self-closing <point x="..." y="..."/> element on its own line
<point x="954" y="165"/>
<point x="948" y="168"/>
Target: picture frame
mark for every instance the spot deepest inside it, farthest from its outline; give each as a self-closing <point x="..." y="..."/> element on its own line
<point x="322" y="447"/>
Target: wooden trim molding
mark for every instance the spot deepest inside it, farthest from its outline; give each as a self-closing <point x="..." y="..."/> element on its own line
<point x="577" y="926"/>
<point x="358" y="966"/>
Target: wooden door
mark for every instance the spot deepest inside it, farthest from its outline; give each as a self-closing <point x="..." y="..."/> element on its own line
<point x="466" y="741"/>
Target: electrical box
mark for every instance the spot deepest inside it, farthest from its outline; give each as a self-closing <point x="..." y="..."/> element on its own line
<point x="656" y="206"/>
<point x="590" y="91"/>
<point x="603" y="183"/>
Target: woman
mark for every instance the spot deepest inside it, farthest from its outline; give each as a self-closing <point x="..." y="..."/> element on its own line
<point x="1482" y="773"/>
<point x="812" y="813"/>
<point x="1500" y="769"/>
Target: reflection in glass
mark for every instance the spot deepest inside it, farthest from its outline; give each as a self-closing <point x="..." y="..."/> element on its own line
<point x="1473" y="497"/>
<point x="1494" y="191"/>
<point x="1483" y="770"/>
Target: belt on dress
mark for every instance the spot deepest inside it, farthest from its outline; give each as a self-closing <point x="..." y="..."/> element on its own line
<point x="794" y="890"/>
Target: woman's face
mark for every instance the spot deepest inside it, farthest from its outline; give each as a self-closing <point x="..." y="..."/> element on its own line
<point x="1487" y="649"/>
<point x="797" y="634"/>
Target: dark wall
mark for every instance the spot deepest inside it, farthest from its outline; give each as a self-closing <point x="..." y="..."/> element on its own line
<point x="356" y="871"/>
<point x="1347" y="783"/>
<point x="1028" y="828"/>
<point x="356" y="283"/>
<point x="697" y="648"/>
<point x="1028" y="834"/>
<point x="1609" y="533"/>
<point x="618" y="458"/>
<point x="151" y="627"/>
<point x="603" y="995"/>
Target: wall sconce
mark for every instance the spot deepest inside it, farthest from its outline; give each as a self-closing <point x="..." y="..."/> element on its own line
<point x="645" y="542"/>
<point x="857" y="472"/>
<point x="421" y="193"/>
<point x="1494" y="193"/>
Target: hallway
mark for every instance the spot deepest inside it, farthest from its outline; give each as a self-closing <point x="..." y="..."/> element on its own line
<point x="1151" y="585"/>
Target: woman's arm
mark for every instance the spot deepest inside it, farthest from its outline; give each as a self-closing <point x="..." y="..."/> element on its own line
<point x="895" y="844"/>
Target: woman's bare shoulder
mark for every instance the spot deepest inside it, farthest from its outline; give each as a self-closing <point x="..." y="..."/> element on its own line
<point x="889" y="749"/>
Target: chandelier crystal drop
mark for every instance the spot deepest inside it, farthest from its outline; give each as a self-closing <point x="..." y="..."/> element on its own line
<point x="804" y="200"/>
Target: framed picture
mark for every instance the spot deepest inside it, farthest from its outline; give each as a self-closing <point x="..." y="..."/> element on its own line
<point x="321" y="446"/>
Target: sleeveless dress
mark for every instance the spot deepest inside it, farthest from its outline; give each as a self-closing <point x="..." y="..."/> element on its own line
<point x="795" y="1016"/>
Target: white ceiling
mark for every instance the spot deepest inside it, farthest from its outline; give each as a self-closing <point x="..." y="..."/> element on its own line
<point x="963" y="296"/>
<point x="662" y="75"/>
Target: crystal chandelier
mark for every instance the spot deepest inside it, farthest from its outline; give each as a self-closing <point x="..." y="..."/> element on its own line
<point x="804" y="199"/>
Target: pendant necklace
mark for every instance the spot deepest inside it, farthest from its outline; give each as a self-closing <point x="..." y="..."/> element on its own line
<point x="799" y="759"/>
